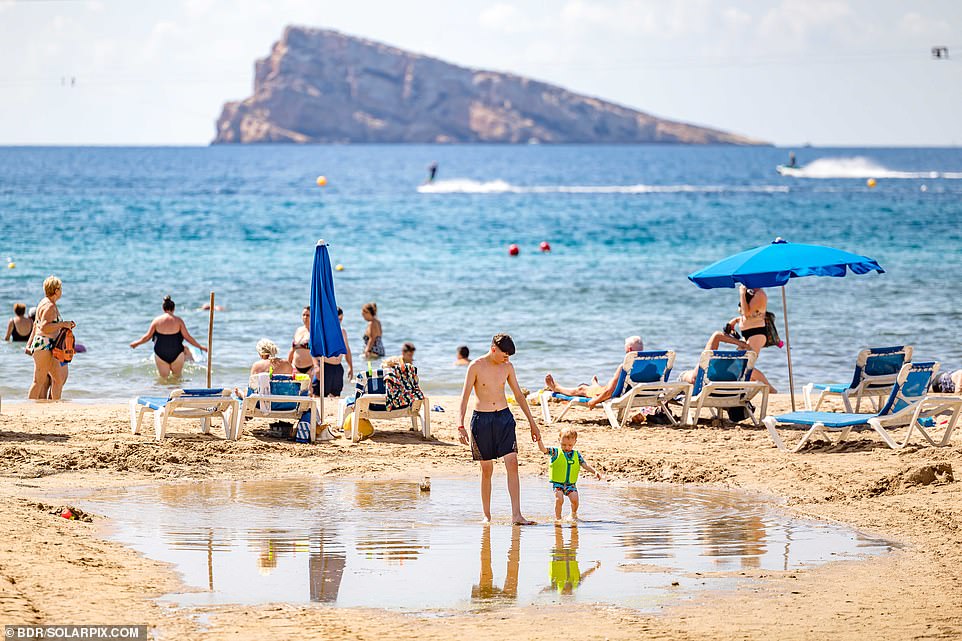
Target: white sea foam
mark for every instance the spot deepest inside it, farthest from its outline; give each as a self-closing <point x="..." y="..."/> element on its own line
<point x="468" y="186"/>
<point x="858" y="167"/>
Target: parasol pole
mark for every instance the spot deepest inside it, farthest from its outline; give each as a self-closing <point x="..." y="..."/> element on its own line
<point x="788" y="348"/>
<point x="210" y="336"/>
<point x="319" y="364"/>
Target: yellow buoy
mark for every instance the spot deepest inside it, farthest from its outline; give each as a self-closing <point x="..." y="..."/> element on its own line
<point x="11" y="265"/>
<point x="870" y="182"/>
<point x="321" y="181"/>
<point x="339" y="267"/>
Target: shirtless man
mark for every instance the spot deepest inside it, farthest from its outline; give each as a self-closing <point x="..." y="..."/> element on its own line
<point x="595" y="391"/>
<point x="492" y="424"/>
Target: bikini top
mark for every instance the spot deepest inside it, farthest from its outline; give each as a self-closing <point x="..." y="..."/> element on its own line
<point x="39" y="319"/>
<point x="304" y="344"/>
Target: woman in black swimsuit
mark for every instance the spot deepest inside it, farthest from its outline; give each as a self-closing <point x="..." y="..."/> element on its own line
<point x="168" y="333"/>
<point x="19" y="327"/>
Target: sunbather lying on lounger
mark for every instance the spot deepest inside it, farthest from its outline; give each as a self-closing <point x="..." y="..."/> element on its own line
<point x="597" y="392"/>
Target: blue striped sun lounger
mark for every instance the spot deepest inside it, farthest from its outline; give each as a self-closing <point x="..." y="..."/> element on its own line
<point x="908" y="406"/>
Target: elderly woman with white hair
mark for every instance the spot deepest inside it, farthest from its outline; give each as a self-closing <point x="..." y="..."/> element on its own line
<point x="268" y="361"/>
<point x="594" y="390"/>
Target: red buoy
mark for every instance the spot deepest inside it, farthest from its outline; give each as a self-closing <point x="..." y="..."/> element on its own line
<point x="545" y="247"/>
<point x="513" y="249"/>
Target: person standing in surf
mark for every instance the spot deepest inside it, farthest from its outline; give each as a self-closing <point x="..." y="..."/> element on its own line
<point x="168" y="333"/>
<point x="492" y="424"/>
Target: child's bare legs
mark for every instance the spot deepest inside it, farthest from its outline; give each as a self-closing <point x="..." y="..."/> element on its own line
<point x="514" y="489"/>
<point x="559" y="501"/>
<point x="487" y="471"/>
<point x="573" y="499"/>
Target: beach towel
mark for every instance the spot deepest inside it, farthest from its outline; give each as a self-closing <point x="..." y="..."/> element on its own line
<point x="402" y="386"/>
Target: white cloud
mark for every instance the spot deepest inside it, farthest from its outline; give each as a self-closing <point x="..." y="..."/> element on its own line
<point x="736" y="18"/>
<point x="161" y="39"/>
<point x="95" y="6"/>
<point x="502" y="17"/>
<point x="198" y="8"/>
<point x="916" y="25"/>
<point x="794" y="26"/>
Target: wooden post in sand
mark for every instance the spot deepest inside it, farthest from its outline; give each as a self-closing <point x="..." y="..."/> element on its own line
<point x="788" y="348"/>
<point x="210" y="336"/>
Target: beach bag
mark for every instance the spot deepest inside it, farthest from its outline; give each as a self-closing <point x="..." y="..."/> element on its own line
<point x="302" y="431"/>
<point x="737" y="414"/>
<point x="771" y="332"/>
<point x="63" y="346"/>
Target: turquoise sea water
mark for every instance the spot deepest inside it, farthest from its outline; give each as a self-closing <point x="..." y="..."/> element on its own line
<point x="125" y="226"/>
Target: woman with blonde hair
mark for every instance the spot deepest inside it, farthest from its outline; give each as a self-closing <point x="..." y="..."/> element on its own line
<point x="49" y="374"/>
<point x="268" y="361"/>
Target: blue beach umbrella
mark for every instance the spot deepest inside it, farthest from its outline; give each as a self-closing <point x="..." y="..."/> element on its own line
<point x="326" y="337"/>
<point x="773" y="265"/>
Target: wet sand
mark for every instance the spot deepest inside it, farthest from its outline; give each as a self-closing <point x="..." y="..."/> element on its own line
<point x="56" y="571"/>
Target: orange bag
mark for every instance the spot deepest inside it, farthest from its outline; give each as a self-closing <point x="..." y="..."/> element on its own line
<point x="63" y="346"/>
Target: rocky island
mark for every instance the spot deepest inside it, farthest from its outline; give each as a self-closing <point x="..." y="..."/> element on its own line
<point x="321" y="86"/>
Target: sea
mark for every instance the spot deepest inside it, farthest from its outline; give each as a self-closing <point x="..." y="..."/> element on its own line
<point x="124" y="227"/>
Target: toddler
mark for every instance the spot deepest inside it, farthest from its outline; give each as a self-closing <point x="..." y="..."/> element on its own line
<point x="565" y="464"/>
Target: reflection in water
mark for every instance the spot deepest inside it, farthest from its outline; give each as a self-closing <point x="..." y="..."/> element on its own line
<point x="392" y="544"/>
<point x="381" y="495"/>
<point x="326" y="571"/>
<point x="484" y="589"/>
<point x="735" y="536"/>
<point x="354" y="544"/>
<point x="563" y="571"/>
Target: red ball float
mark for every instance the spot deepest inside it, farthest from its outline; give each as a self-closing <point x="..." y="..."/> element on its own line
<point x="513" y="249"/>
<point x="545" y="247"/>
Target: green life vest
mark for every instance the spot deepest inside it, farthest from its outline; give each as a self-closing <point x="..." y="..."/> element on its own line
<point x="564" y="470"/>
<point x="564" y="573"/>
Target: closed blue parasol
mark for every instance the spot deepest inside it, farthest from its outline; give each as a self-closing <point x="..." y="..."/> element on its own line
<point x="326" y="337"/>
<point x="774" y="264"/>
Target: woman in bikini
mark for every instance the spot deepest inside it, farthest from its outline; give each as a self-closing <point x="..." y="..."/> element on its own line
<point x="19" y="327"/>
<point x="753" y="304"/>
<point x="49" y="374"/>
<point x="373" y="340"/>
<point x="168" y="333"/>
<point x="300" y="354"/>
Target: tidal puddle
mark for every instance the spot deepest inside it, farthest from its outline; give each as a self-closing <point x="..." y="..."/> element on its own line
<point x="387" y="544"/>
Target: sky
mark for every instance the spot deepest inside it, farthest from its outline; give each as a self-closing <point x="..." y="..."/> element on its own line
<point x="824" y="72"/>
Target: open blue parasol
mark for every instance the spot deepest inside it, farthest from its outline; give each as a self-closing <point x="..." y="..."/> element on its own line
<point x="326" y="337"/>
<point x="773" y="265"/>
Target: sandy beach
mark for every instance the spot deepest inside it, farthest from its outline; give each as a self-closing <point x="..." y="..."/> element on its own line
<point x="55" y="571"/>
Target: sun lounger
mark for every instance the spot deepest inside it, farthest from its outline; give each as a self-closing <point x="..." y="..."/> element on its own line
<point x="385" y="395"/>
<point x="278" y="397"/>
<point x="875" y="372"/>
<point x="907" y="406"/>
<point x="204" y="404"/>
<point x="642" y="382"/>
<point x="723" y="381"/>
